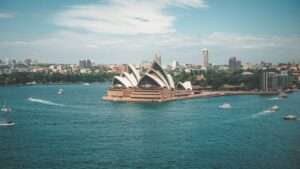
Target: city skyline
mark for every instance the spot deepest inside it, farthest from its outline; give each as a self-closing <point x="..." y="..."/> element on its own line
<point x="133" y="31"/>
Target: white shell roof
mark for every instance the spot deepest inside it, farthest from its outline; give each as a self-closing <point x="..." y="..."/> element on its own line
<point x="124" y="81"/>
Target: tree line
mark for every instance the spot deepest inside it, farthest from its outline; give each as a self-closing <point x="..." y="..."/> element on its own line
<point x="25" y="77"/>
<point x="217" y="79"/>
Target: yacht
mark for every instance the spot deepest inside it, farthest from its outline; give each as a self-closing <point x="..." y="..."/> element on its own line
<point x="60" y="91"/>
<point x="225" y="106"/>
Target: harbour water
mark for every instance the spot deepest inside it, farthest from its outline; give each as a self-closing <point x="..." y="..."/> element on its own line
<point x="77" y="130"/>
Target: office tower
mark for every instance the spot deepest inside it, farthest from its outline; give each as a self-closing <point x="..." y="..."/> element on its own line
<point x="157" y="58"/>
<point x="234" y="64"/>
<point x="205" y="57"/>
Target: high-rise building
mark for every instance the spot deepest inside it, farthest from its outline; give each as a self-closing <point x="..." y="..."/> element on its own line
<point x="175" y="65"/>
<point x="235" y="64"/>
<point x="157" y="58"/>
<point x="85" y="63"/>
<point x="269" y="81"/>
<point x="205" y="57"/>
<point x="28" y="62"/>
<point x="284" y="79"/>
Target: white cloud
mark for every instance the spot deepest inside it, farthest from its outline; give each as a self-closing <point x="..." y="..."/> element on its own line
<point x="187" y="3"/>
<point x="124" y="17"/>
<point x="5" y="15"/>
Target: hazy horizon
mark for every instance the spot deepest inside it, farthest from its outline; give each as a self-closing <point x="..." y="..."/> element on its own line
<point x="132" y="31"/>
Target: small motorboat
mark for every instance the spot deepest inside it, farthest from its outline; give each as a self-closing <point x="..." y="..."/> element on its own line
<point x="8" y="124"/>
<point x="225" y="106"/>
<point x="60" y="91"/>
<point x="86" y="84"/>
<point x="290" y="117"/>
<point x="274" y="108"/>
<point x="269" y="111"/>
<point x="6" y="108"/>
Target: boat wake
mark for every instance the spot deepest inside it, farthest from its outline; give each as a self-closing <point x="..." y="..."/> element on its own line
<point x="41" y="101"/>
<point x="263" y="113"/>
<point x="275" y="98"/>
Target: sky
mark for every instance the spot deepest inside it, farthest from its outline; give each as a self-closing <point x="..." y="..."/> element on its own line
<point x="132" y="31"/>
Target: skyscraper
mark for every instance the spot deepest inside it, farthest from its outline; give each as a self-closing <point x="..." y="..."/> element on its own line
<point x="234" y="64"/>
<point x="85" y="63"/>
<point x="269" y="81"/>
<point x="205" y="57"/>
<point x="157" y="58"/>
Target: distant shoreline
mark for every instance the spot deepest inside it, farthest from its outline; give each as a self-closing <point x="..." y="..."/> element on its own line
<point x="51" y="83"/>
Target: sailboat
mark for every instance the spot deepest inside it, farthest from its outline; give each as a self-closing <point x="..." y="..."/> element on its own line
<point x="6" y="109"/>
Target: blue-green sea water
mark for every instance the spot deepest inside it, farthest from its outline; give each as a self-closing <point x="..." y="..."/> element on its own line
<point x="77" y="130"/>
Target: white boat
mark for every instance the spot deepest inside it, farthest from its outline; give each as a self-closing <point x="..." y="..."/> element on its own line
<point x="8" y="124"/>
<point x="5" y="108"/>
<point x="60" y="91"/>
<point x="290" y="117"/>
<point x="269" y="111"/>
<point x="86" y="84"/>
<point x="274" y="108"/>
<point x="225" y="106"/>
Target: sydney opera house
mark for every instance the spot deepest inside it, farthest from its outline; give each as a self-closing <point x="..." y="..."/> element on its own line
<point x="154" y="85"/>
